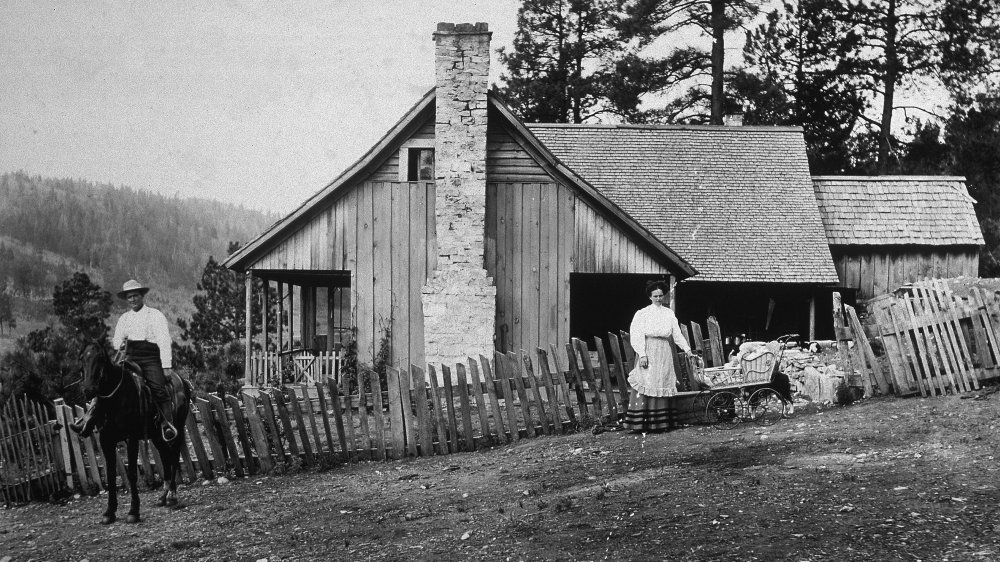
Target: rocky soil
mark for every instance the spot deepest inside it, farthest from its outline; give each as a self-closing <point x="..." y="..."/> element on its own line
<point x="881" y="479"/>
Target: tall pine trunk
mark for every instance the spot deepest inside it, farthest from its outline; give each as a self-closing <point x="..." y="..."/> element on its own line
<point x="889" y="78"/>
<point x="718" y="58"/>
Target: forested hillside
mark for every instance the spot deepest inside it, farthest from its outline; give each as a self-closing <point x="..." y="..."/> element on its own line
<point x="50" y="228"/>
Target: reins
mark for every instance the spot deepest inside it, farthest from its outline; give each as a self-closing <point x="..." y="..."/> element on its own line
<point x="120" y="378"/>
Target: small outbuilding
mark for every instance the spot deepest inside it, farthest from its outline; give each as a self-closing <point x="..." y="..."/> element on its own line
<point x="886" y="231"/>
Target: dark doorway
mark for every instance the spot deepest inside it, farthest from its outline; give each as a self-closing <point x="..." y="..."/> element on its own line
<point x="757" y="311"/>
<point x="605" y="302"/>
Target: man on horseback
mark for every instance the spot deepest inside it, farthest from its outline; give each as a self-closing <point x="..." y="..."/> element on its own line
<point x="144" y="338"/>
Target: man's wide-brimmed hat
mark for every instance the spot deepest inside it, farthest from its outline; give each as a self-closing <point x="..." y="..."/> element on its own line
<point x="130" y="286"/>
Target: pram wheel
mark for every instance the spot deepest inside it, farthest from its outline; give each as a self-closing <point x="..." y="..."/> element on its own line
<point x="766" y="407"/>
<point x="724" y="410"/>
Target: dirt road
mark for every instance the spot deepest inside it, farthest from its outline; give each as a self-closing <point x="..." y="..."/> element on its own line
<point x="885" y="479"/>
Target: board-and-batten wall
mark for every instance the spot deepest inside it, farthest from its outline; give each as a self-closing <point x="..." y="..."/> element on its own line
<point x="875" y="271"/>
<point x="537" y="232"/>
<point x="389" y="170"/>
<point x="536" y="235"/>
<point x="379" y="232"/>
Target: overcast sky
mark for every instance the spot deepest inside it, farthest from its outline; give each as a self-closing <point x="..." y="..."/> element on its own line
<point x="254" y="102"/>
<point x="260" y="103"/>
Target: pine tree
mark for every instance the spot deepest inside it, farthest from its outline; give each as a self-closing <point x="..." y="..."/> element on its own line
<point x="213" y="349"/>
<point x="45" y="363"/>
<point x="648" y="21"/>
<point x="557" y="64"/>
<point x="82" y="306"/>
<point x="796" y="73"/>
<point x="910" y="45"/>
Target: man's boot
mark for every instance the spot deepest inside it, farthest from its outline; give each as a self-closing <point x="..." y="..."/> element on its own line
<point x="167" y="429"/>
<point x="85" y="425"/>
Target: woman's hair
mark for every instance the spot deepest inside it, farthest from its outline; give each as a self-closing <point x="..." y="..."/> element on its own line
<point x="654" y="285"/>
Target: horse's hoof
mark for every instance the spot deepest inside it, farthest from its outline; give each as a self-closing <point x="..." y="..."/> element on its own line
<point x="172" y="502"/>
<point x="107" y="519"/>
<point x="132" y="518"/>
<point x="162" y="502"/>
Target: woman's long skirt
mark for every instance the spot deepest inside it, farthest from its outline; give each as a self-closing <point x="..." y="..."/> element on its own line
<point x="647" y="413"/>
<point x="652" y="387"/>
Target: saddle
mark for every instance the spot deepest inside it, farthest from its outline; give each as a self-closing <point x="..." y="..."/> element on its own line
<point x="175" y="385"/>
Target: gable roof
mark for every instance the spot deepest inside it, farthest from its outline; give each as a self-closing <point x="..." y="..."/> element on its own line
<point x="250" y="252"/>
<point x="736" y="202"/>
<point x="891" y="210"/>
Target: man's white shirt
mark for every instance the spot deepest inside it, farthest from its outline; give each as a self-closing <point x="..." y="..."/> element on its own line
<point x="148" y="324"/>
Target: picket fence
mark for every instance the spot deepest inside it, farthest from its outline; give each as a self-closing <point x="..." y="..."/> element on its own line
<point x="482" y="403"/>
<point x="29" y="452"/>
<point x="934" y="341"/>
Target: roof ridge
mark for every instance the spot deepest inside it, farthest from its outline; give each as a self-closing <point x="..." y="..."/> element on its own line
<point x="667" y="127"/>
<point x="889" y="178"/>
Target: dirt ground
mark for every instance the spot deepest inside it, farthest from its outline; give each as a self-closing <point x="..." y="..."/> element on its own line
<point x="882" y="479"/>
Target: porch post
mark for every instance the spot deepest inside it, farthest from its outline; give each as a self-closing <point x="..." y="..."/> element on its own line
<point x="673" y="292"/>
<point x="249" y="329"/>
<point x="281" y="323"/>
<point x="264" y="309"/>
<point x="812" y="317"/>
<point x="329" y="317"/>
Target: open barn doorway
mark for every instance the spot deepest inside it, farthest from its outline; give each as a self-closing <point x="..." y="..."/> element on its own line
<point x="605" y="302"/>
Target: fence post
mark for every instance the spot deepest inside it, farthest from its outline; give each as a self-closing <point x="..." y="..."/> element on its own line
<point x="419" y="386"/>
<point x="715" y="342"/>
<point x="438" y="412"/>
<point x="463" y="400"/>
<point x="536" y="392"/>
<point x="550" y="390"/>
<point x="477" y="389"/>
<point x="489" y="381"/>
<point x="67" y="461"/>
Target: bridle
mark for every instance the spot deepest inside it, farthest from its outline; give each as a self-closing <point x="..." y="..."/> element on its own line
<point x="114" y="391"/>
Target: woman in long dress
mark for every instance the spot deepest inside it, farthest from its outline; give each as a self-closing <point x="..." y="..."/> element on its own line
<point x="653" y="380"/>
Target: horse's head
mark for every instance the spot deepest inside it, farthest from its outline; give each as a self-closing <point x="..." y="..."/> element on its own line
<point x="96" y="365"/>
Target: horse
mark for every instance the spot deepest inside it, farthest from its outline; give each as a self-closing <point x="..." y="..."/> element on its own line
<point x="129" y="416"/>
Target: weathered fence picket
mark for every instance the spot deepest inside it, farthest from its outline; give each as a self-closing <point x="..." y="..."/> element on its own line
<point x="491" y="390"/>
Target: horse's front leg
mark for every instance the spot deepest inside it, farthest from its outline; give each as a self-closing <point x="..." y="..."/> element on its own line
<point x="169" y="487"/>
<point x="132" y="470"/>
<point x="111" y="463"/>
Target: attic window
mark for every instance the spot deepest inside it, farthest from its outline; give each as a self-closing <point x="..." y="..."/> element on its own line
<point x="420" y="164"/>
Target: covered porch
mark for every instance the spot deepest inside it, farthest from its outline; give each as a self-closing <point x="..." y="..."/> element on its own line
<point x="306" y="325"/>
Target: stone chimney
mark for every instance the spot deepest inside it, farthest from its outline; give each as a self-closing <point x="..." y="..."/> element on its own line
<point x="459" y="299"/>
<point x="733" y="120"/>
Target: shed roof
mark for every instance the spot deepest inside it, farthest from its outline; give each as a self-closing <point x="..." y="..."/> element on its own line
<point x="893" y="210"/>
<point x="736" y="202"/>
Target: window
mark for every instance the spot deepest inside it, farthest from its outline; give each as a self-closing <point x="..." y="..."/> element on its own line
<point x="420" y="164"/>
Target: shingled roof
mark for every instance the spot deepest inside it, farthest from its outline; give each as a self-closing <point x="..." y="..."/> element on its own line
<point x="891" y="210"/>
<point x="735" y="202"/>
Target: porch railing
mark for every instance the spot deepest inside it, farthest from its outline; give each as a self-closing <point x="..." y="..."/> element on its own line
<point x="302" y="366"/>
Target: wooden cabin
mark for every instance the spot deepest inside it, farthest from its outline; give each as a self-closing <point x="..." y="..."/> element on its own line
<point x="465" y="230"/>
<point x="417" y="229"/>
<point x="887" y="231"/>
